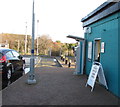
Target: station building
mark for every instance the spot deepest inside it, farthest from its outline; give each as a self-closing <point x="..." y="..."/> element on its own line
<point x="102" y="34"/>
<point x="101" y="43"/>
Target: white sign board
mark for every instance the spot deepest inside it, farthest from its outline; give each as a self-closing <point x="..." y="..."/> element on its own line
<point x="102" y="47"/>
<point x="96" y="70"/>
<point x="89" y="50"/>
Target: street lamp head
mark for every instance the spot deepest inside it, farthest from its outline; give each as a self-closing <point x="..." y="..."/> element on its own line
<point x="37" y="21"/>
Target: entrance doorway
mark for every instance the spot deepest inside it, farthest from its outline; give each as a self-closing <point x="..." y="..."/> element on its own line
<point x="97" y="50"/>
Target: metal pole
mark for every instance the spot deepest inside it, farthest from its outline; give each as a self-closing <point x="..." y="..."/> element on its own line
<point x="31" y="78"/>
<point x="18" y="45"/>
<point x="37" y="35"/>
<point x="50" y="51"/>
<point x="26" y="39"/>
<point x="60" y="51"/>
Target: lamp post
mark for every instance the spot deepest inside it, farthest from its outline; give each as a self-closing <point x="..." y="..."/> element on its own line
<point x="26" y="39"/>
<point x="18" y="45"/>
<point x="31" y="78"/>
<point x="60" y="51"/>
<point x="37" y="35"/>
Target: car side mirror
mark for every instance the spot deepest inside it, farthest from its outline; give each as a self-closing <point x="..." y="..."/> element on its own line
<point x="20" y="57"/>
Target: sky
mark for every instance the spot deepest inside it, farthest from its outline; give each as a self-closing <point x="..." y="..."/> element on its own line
<point x="57" y="18"/>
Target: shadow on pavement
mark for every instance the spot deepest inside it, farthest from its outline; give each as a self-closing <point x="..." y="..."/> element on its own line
<point x="6" y="83"/>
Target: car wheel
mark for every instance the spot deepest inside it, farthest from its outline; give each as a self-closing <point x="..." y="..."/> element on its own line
<point x="9" y="74"/>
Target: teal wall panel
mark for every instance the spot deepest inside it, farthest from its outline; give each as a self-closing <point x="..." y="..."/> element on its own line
<point x="81" y="57"/>
<point x="107" y="29"/>
<point x="119" y="53"/>
<point x="110" y="57"/>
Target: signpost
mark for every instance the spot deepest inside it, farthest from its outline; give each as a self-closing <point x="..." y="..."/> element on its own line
<point x="96" y="70"/>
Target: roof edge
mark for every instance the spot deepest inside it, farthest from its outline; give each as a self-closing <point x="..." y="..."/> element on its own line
<point x="102" y="6"/>
<point x="76" y="38"/>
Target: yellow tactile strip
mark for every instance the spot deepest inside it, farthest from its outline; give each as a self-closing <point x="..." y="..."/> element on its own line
<point x="45" y="63"/>
<point x="66" y="65"/>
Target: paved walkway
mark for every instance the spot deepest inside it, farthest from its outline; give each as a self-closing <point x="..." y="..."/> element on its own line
<point x="66" y="65"/>
<point x="56" y="86"/>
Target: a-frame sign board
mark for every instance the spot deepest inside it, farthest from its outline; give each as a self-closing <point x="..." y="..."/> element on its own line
<point x="96" y="70"/>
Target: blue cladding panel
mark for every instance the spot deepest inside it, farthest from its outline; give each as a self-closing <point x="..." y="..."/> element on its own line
<point x="119" y="53"/>
<point x="81" y="56"/>
<point x="110" y="57"/>
<point x="107" y="29"/>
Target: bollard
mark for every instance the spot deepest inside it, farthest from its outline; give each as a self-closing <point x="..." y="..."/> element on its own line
<point x="66" y="60"/>
<point x="63" y="58"/>
<point x="69" y="64"/>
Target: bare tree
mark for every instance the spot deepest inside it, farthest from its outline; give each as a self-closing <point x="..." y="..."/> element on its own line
<point x="45" y="42"/>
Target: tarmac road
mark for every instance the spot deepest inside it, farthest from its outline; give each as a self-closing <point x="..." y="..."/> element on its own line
<point x="56" y="86"/>
<point x="48" y="62"/>
<point x="39" y="62"/>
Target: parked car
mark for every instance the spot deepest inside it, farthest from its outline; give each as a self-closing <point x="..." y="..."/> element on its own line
<point x="10" y="62"/>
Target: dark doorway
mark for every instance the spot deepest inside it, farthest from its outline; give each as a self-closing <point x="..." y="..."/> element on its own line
<point x="97" y="50"/>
